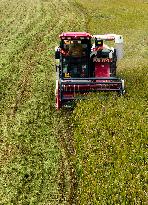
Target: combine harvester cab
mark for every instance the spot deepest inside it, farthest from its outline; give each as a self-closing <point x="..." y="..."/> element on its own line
<point x="83" y="66"/>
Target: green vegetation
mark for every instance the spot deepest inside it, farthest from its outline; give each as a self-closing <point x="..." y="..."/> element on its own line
<point x="111" y="132"/>
<point x="99" y="152"/>
<point x="111" y="150"/>
<point x="30" y="155"/>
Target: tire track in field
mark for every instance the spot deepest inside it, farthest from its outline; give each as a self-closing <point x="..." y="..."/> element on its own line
<point x="24" y="84"/>
<point x="68" y="177"/>
<point x="83" y="12"/>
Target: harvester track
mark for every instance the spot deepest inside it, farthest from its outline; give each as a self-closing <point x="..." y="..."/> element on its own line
<point x="83" y="12"/>
<point x="67" y="179"/>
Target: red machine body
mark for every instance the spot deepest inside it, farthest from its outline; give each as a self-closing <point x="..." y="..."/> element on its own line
<point x="102" y="70"/>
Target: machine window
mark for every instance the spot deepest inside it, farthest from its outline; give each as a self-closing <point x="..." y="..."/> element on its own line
<point x="75" y="48"/>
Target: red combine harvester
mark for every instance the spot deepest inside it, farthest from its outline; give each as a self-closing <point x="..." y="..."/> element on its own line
<point x="84" y="64"/>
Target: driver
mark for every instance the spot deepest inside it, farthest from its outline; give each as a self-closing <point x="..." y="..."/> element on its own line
<point x="75" y="49"/>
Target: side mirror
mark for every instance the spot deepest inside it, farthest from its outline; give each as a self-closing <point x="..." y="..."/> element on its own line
<point x="57" y="54"/>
